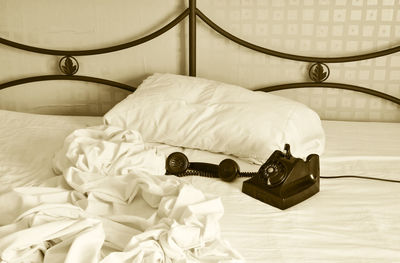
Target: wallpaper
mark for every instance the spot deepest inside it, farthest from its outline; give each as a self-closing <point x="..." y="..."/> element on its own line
<point x="309" y="28"/>
<point x="319" y="28"/>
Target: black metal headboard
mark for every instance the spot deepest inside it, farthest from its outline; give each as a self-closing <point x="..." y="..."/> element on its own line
<point x="318" y="71"/>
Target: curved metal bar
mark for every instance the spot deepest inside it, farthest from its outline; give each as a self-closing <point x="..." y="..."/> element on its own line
<point x="332" y="85"/>
<point x="249" y="45"/>
<point x="100" y="50"/>
<point x="67" y="77"/>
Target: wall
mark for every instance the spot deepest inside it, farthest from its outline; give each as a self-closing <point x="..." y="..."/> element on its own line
<point x="77" y="25"/>
<point x="307" y="27"/>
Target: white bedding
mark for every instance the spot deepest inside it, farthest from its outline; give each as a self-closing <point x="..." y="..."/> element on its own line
<point x="114" y="206"/>
<point x="350" y="220"/>
<point x="28" y="143"/>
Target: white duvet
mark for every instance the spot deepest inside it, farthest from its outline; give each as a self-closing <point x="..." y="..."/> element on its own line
<point x="111" y="203"/>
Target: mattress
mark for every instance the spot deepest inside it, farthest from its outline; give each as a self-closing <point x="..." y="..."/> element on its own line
<point x="349" y="220"/>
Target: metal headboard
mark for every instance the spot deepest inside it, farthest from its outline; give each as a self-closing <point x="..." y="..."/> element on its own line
<point x="318" y="71"/>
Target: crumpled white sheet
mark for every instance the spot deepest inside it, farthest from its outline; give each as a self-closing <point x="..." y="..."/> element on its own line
<point x="111" y="204"/>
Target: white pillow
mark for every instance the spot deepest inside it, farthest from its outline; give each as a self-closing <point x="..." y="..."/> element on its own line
<point x="209" y="115"/>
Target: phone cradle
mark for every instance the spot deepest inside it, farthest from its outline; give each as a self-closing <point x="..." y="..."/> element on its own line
<point x="284" y="181"/>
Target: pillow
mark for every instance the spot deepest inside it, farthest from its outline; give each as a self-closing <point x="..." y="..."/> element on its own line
<point x="203" y="114"/>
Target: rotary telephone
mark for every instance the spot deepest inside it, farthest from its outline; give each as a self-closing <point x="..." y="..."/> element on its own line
<point x="282" y="181"/>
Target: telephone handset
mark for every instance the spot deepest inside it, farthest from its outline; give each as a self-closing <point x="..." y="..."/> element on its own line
<point x="282" y="181"/>
<point x="178" y="164"/>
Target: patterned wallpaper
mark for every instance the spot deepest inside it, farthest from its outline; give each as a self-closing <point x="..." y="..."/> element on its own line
<point x="304" y="27"/>
<point x="309" y="28"/>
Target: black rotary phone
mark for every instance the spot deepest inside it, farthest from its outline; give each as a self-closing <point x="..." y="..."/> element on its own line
<point x="282" y="181"/>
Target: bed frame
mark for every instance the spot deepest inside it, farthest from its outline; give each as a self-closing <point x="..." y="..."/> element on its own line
<point x="318" y="71"/>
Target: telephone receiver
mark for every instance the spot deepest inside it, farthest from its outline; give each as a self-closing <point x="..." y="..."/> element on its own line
<point x="282" y="181"/>
<point x="228" y="170"/>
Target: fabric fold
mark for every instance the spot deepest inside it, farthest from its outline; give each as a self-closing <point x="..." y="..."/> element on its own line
<point x="118" y="207"/>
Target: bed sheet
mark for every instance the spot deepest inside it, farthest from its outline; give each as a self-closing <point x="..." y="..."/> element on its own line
<point x="350" y="220"/>
<point x="361" y="148"/>
<point x="28" y="143"/>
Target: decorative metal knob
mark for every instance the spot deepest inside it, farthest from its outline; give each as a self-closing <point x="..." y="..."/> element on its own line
<point x="68" y="65"/>
<point x="318" y="72"/>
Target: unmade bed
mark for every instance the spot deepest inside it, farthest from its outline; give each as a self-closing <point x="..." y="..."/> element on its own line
<point x="336" y="224"/>
<point x="94" y="189"/>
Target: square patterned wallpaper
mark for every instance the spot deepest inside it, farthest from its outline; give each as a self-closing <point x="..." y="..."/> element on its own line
<point x="309" y="28"/>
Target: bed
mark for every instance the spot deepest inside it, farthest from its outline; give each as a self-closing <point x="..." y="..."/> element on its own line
<point x="61" y="200"/>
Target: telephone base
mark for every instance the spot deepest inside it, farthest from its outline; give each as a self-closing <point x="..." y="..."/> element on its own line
<point x="276" y="200"/>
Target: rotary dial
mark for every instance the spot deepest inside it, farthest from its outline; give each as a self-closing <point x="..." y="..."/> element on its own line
<point x="273" y="173"/>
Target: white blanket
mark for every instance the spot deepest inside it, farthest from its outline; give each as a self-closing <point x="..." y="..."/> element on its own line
<point x="111" y="203"/>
